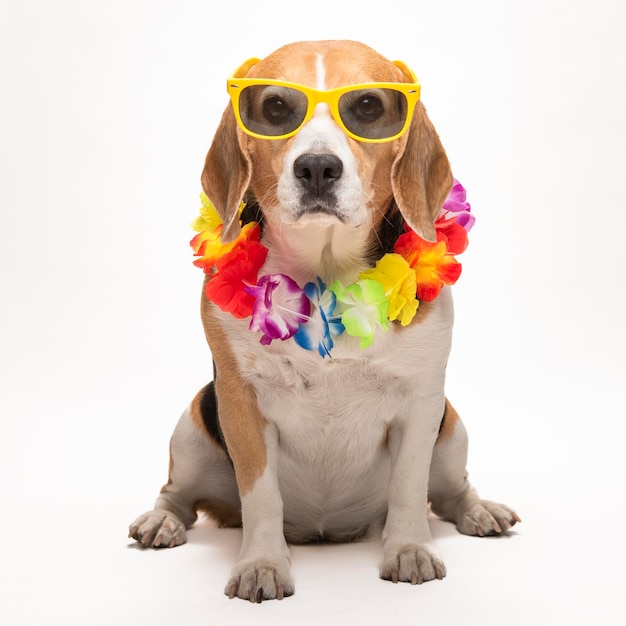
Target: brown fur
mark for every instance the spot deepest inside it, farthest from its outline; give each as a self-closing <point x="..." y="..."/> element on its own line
<point x="196" y="413"/>
<point x="227" y="172"/>
<point x="450" y="419"/>
<point x="421" y="177"/>
<point x="224" y="515"/>
<point x="241" y="421"/>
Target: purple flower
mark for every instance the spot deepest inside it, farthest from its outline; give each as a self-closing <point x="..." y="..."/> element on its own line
<point x="456" y="203"/>
<point x="280" y="307"/>
<point x="317" y="333"/>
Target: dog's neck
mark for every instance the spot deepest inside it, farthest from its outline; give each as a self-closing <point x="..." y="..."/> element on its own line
<point x="324" y="248"/>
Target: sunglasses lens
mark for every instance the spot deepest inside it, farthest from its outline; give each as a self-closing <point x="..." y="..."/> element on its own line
<point x="375" y="113"/>
<point x="272" y="110"/>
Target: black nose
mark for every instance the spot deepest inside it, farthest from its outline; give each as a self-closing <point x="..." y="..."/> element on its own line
<point x="317" y="172"/>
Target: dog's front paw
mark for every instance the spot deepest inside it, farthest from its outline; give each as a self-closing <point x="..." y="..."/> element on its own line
<point x="413" y="563"/>
<point x="260" y="580"/>
<point x="158" y="529"/>
<point x="486" y="518"/>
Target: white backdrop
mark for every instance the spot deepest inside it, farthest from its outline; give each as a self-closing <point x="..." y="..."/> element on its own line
<point x="106" y="113"/>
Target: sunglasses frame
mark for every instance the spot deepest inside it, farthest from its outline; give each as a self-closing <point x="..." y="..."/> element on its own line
<point x="238" y="82"/>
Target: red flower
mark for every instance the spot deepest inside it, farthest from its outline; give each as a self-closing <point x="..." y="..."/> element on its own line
<point x="450" y="231"/>
<point x="235" y="270"/>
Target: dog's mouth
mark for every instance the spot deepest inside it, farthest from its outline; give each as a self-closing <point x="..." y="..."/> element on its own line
<point x="316" y="207"/>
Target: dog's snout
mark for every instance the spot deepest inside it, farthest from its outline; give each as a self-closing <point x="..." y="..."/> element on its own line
<point x="317" y="172"/>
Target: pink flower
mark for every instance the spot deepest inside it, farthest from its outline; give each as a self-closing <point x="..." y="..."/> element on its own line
<point x="457" y="203"/>
<point x="280" y="307"/>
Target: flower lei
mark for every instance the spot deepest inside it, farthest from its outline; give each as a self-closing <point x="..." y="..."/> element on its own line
<point x="279" y="308"/>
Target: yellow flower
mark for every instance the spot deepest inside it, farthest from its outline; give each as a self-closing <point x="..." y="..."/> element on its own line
<point x="208" y="218"/>
<point x="398" y="280"/>
<point x="207" y="244"/>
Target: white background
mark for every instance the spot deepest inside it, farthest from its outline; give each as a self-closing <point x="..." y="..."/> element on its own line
<point x="106" y="112"/>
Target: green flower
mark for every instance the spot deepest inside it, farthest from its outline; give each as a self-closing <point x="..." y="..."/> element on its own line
<point x="363" y="306"/>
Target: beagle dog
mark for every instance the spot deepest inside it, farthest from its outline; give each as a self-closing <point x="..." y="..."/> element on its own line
<point x="297" y="445"/>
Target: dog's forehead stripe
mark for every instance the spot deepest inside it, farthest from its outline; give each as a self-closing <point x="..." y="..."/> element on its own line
<point x="321" y="72"/>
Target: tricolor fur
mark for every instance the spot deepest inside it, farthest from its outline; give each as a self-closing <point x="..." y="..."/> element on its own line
<point x="298" y="448"/>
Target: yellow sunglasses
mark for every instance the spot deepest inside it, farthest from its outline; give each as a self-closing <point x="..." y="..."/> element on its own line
<point x="275" y="109"/>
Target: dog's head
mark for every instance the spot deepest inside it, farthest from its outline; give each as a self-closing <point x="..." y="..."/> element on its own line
<point x="324" y="175"/>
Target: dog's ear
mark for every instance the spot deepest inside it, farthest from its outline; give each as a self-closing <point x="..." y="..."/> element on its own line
<point x="227" y="172"/>
<point x="421" y="177"/>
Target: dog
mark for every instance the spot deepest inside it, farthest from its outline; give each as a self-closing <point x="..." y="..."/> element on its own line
<point x="325" y="442"/>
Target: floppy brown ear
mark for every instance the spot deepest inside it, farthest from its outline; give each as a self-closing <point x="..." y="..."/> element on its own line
<point x="421" y="177"/>
<point x="227" y="172"/>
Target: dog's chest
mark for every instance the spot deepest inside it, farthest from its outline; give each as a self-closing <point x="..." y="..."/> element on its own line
<point x="338" y="406"/>
<point x="332" y="416"/>
<point x="342" y="405"/>
<point x="338" y="400"/>
<point x="325" y="406"/>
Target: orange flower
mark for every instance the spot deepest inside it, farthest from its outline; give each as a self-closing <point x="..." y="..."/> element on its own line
<point x="434" y="266"/>
<point x="209" y="247"/>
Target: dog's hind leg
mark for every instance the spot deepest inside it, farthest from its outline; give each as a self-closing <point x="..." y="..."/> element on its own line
<point x="201" y="478"/>
<point x="451" y="495"/>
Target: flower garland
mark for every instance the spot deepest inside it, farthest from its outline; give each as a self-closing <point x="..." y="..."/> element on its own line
<point x="279" y="308"/>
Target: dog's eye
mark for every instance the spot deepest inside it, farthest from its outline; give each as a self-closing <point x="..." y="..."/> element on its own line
<point x="368" y="108"/>
<point x="276" y="110"/>
<point x="373" y="112"/>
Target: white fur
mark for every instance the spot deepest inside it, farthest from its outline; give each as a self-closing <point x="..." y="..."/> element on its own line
<point x="327" y="248"/>
<point x="333" y="416"/>
<point x="320" y="245"/>
<point x="321" y="72"/>
<point x="264" y="555"/>
<point x="321" y="135"/>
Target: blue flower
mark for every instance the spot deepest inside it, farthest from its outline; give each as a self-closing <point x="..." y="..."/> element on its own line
<point x="317" y="333"/>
